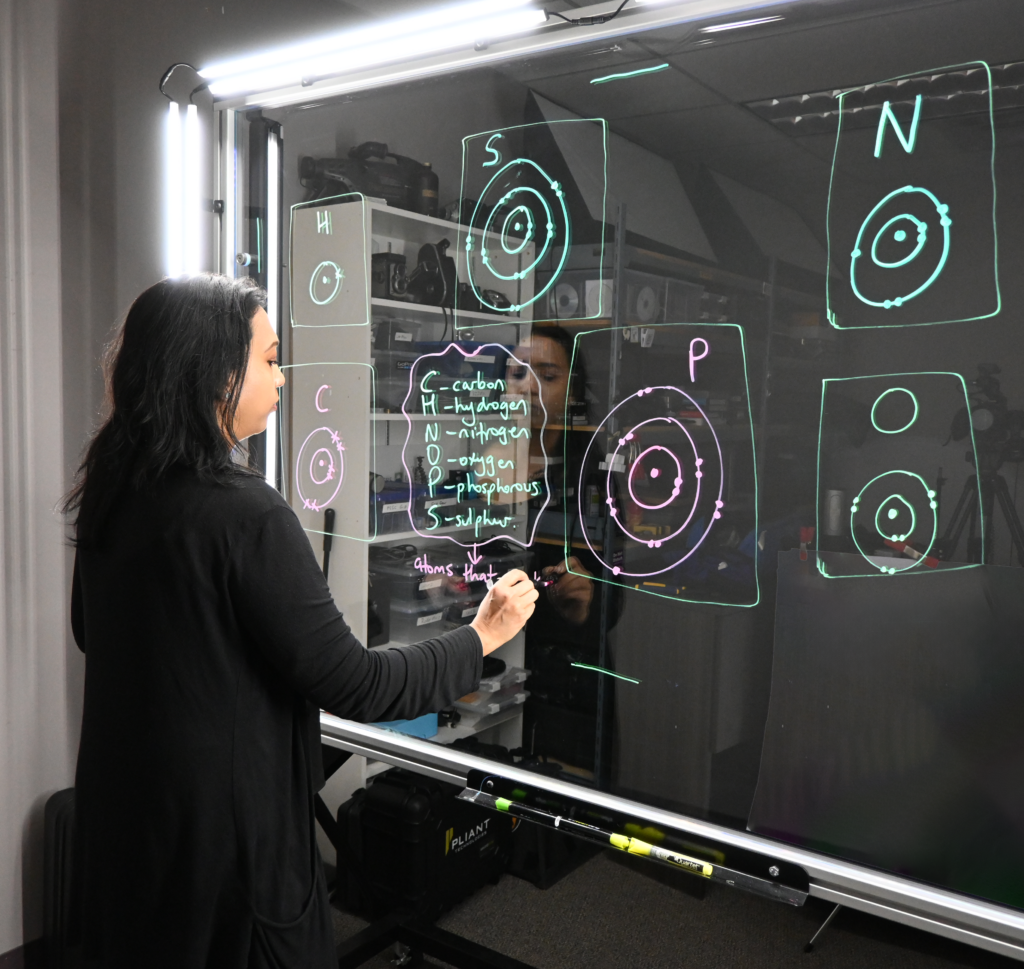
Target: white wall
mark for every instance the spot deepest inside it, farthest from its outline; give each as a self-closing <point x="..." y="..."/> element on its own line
<point x="35" y="752"/>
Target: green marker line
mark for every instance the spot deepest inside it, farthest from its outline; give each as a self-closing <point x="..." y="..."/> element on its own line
<point x="598" y="669"/>
<point x="619" y="77"/>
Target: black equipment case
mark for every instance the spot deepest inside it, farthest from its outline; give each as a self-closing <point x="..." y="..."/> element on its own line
<point x="406" y="843"/>
<point x="58" y="849"/>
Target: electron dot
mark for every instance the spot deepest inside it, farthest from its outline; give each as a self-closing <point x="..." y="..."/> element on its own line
<point x="677" y="482"/>
<point x="616" y="570"/>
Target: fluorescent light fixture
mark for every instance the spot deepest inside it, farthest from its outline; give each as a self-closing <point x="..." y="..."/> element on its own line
<point x="273" y="280"/>
<point x="192" y="242"/>
<point x="736" y="24"/>
<point x="173" y="228"/>
<point x="636" y="73"/>
<point x="228" y="174"/>
<point x="444" y="29"/>
<point x="183" y="189"/>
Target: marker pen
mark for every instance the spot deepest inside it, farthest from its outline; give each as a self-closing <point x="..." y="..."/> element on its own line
<point x="634" y="846"/>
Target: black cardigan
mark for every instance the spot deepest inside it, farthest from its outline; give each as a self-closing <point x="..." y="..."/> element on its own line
<point x="211" y="640"/>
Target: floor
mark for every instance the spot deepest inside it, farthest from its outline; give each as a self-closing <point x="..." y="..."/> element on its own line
<point x="612" y="914"/>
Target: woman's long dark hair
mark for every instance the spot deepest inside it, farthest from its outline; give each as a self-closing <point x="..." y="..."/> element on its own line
<point x="174" y="371"/>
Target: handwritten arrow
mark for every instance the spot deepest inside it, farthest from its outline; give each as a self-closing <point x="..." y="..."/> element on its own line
<point x="473" y="557"/>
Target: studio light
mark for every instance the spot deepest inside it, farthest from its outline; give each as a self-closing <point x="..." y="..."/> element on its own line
<point x="173" y="229"/>
<point x="183" y="160"/>
<point x="273" y="280"/>
<point x="445" y="29"/>
<point x="191" y="215"/>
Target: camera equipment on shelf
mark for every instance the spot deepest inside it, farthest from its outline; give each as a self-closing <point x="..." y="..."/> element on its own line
<point x="998" y="438"/>
<point x="372" y="170"/>
<point x="387" y="276"/>
<point x="433" y="280"/>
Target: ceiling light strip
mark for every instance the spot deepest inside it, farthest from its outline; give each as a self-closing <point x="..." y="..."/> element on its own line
<point x="648" y="16"/>
<point x="372" y="47"/>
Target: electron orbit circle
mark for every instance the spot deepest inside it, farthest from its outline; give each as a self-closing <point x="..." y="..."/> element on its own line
<point x="324" y="275"/>
<point x="898" y="536"/>
<point x="921" y="229"/>
<point x="525" y="230"/>
<point x="677" y="482"/>
<point x="326" y="464"/>
<point x="881" y="397"/>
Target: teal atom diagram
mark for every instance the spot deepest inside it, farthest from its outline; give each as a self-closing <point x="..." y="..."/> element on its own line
<point x="900" y="240"/>
<point x="521" y="204"/>
<point x="325" y="283"/>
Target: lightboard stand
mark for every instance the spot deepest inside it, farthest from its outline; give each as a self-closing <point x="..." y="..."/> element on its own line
<point x="824" y="925"/>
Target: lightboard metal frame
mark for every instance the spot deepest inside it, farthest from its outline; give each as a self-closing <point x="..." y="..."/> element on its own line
<point x="959" y="917"/>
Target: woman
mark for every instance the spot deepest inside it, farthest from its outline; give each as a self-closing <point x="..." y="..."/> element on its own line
<point x="211" y="641"/>
<point x="549" y="384"/>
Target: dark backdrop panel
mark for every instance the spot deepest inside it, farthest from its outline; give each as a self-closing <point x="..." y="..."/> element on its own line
<point x="895" y="724"/>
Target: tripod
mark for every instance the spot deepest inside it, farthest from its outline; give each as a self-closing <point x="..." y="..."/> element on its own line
<point x="992" y="486"/>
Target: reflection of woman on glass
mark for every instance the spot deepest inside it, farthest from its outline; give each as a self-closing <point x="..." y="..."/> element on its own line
<point x="211" y="641"/>
<point x="551" y="383"/>
<point x="561" y="713"/>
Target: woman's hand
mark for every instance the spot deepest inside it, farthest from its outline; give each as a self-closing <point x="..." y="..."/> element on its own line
<point x="573" y="591"/>
<point x="505" y="609"/>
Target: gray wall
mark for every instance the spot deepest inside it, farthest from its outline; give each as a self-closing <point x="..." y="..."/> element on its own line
<point x="36" y="751"/>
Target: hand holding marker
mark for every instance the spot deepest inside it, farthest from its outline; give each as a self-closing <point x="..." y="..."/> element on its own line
<point x="508" y="604"/>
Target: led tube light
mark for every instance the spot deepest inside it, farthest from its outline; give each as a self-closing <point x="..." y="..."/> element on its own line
<point x="273" y="280"/>
<point x="360" y="49"/>
<point x="191" y="216"/>
<point x="183" y="189"/>
<point x="173" y="191"/>
<point x="348" y="39"/>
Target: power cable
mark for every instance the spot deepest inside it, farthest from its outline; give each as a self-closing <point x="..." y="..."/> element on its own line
<point x="588" y="21"/>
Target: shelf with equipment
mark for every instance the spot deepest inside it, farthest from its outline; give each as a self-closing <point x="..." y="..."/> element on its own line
<point x="372" y="252"/>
